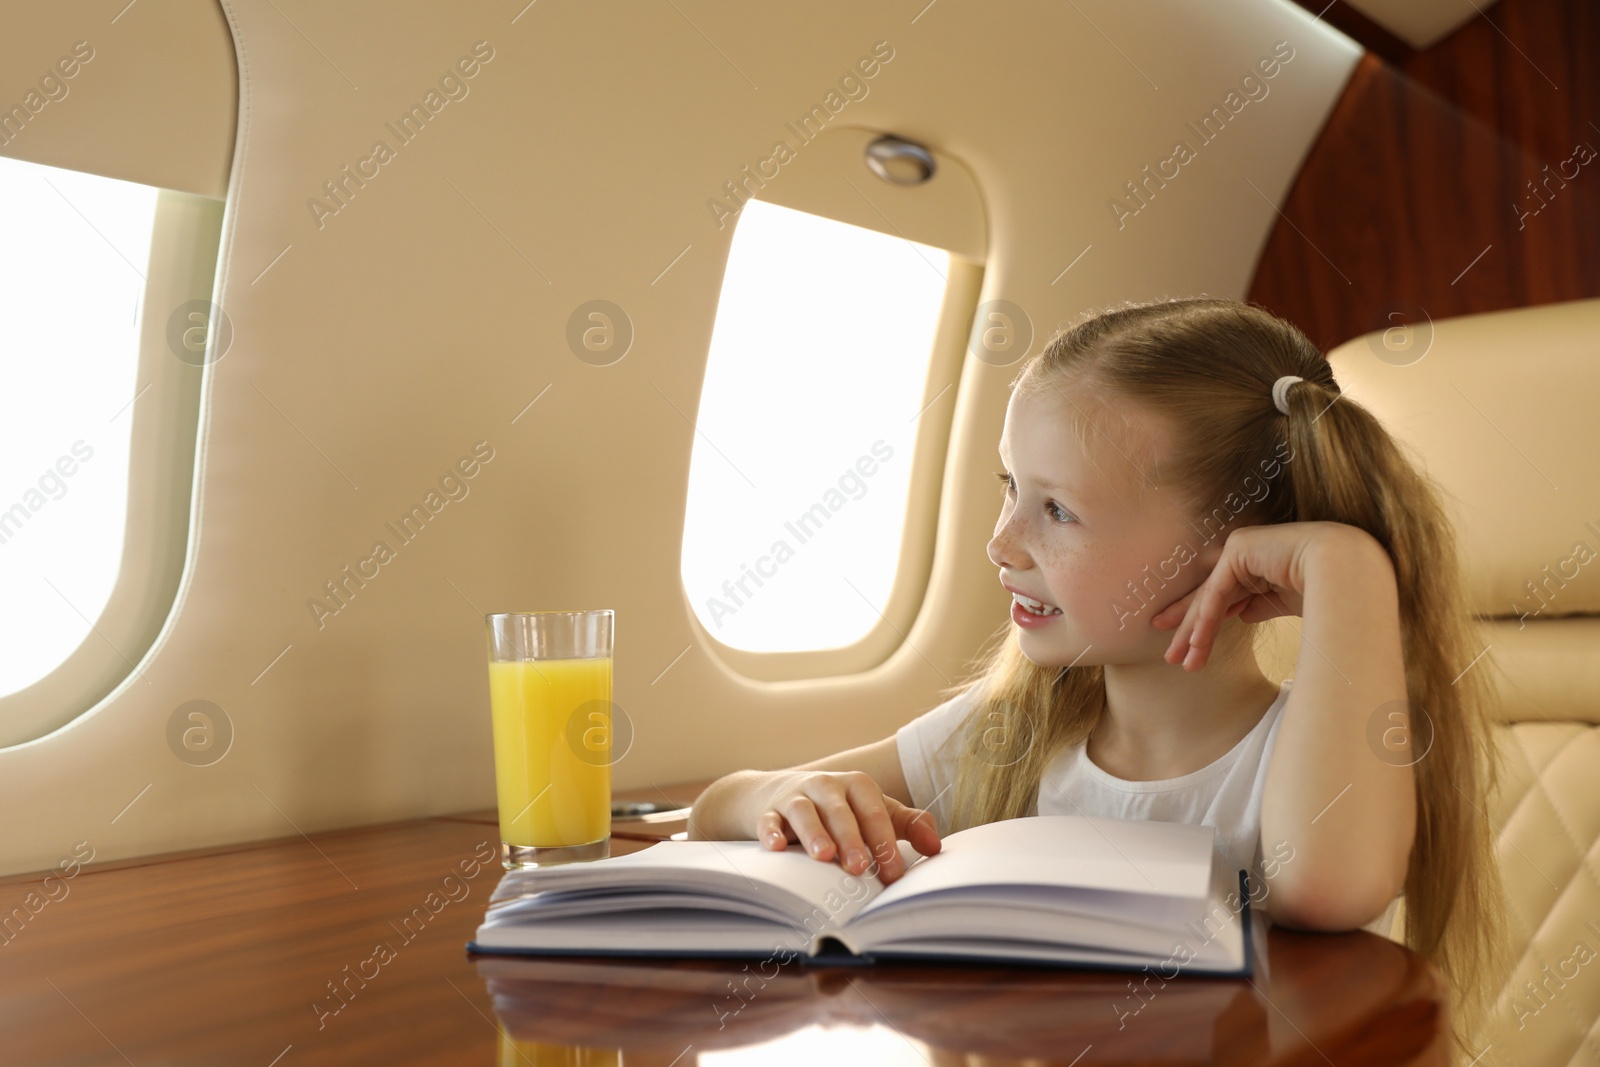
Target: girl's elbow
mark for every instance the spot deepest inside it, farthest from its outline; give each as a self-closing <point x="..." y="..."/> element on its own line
<point x="1330" y="915"/>
<point x="1330" y="905"/>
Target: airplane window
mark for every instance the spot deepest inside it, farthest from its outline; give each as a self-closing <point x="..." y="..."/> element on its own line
<point x="72" y="280"/>
<point x="800" y="467"/>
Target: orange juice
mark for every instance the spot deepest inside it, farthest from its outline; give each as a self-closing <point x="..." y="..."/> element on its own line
<point x="552" y="750"/>
<point x="515" y="1052"/>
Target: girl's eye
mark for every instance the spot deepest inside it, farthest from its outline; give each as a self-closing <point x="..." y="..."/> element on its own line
<point x="1056" y="511"/>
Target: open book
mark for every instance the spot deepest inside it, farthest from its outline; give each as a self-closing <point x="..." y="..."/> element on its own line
<point x="1065" y="890"/>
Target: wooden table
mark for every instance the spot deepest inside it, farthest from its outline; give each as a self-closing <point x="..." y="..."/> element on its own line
<point x="348" y="947"/>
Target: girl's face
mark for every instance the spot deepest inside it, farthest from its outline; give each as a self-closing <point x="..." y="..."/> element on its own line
<point x="1075" y="531"/>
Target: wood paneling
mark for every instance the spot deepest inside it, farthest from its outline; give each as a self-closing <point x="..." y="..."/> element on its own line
<point x="1452" y="183"/>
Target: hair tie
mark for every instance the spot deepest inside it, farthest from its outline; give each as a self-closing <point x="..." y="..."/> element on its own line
<point x="1280" y="391"/>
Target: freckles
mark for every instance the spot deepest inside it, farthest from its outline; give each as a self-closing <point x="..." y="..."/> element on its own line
<point x="1057" y="558"/>
<point x="1078" y="582"/>
<point x="1065" y="569"/>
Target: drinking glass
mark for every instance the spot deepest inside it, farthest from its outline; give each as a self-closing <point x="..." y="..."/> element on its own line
<point x="550" y="698"/>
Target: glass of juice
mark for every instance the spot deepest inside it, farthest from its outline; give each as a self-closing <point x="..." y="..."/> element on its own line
<point x="516" y="1052"/>
<point x="550" y="698"/>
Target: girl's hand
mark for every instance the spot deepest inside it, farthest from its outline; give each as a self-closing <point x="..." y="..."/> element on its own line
<point x="1260" y="575"/>
<point x="843" y="814"/>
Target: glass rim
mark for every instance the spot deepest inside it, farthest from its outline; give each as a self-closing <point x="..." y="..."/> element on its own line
<point x="529" y="614"/>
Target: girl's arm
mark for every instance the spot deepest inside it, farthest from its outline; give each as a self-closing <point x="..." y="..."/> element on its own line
<point x="1347" y="808"/>
<point x="1338" y="791"/>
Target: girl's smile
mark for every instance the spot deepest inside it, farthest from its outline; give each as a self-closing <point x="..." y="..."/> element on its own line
<point x="1026" y="611"/>
<point x="1023" y="617"/>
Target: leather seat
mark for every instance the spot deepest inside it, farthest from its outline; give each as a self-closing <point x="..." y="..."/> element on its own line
<point x="1499" y="408"/>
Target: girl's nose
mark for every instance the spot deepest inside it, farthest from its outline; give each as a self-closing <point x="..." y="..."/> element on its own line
<point x="994" y="557"/>
<point x="1003" y="549"/>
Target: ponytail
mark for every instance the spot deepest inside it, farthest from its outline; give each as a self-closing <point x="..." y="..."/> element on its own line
<point x="1347" y="468"/>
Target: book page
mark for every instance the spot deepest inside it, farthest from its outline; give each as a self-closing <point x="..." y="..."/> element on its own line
<point x="1133" y="856"/>
<point x="820" y="894"/>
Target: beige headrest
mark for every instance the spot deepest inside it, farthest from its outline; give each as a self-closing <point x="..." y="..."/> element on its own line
<point x="1500" y="409"/>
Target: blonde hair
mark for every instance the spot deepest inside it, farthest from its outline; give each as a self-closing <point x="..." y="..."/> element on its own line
<point x="1207" y="367"/>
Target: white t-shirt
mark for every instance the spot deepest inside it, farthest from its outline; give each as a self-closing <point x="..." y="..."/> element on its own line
<point x="1225" y="794"/>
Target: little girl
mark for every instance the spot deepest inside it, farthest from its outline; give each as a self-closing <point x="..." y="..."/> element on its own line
<point x="1175" y="471"/>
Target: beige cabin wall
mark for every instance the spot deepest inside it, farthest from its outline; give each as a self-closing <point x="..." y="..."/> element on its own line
<point x="372" y="351"/>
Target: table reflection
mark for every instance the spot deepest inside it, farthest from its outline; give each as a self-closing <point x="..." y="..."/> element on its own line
<point x="702" y="1013"/>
